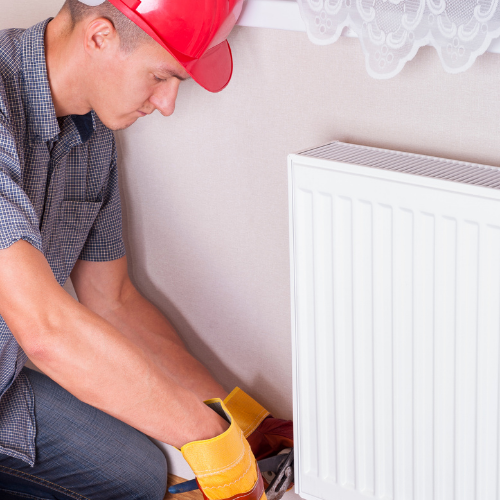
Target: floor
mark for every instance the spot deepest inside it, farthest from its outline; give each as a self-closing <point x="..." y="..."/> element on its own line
<point x="192" y="495"/>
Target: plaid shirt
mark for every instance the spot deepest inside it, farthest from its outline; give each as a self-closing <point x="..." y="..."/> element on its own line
<point x="58" y="191"/>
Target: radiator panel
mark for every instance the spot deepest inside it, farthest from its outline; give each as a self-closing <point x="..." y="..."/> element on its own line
<point x="396" y="326"/>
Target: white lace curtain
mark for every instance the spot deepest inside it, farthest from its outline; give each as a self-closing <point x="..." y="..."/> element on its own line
<point x="392" y="31"/>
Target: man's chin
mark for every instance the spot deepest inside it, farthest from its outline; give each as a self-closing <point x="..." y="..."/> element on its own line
<point x="117" y="125"/>
<point x="123" y="126"/>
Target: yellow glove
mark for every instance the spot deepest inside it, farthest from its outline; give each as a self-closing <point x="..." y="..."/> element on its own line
<point x="224" y="466"/>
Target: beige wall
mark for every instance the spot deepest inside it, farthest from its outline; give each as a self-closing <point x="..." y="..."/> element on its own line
<point x="205" y="191"/>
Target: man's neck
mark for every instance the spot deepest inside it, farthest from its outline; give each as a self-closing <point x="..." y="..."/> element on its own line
<point x="65" y="68"/>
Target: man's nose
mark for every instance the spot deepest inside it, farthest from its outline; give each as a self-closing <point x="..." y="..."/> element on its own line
<point x="165" y="95"/>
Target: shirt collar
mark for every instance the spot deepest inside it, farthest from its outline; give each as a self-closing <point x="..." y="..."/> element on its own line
<point x="42" y="117"/>
<point x="85" y="125"/>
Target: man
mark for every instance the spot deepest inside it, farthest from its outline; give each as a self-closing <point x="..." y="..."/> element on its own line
<point x="116" y="369"/>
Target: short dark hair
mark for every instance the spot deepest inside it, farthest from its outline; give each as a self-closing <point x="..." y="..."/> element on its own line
<point x="130" y="34"/>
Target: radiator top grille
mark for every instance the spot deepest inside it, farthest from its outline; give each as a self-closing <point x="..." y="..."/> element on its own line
<point x="409" y="163"/>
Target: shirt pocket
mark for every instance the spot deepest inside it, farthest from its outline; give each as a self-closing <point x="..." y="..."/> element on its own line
<point x="76" y="219"/>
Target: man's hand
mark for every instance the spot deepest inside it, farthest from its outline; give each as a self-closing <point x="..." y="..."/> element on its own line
<point x="91" y="359"/>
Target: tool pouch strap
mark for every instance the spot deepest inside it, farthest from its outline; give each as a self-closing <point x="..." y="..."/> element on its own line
<point x="245" y="410"/>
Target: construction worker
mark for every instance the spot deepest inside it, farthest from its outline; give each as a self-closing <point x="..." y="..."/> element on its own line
<point x="115" y="369"/>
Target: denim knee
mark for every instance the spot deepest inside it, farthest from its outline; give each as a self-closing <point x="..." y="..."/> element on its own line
<point x="136" y="471"/>
<point x="89" y="452"/>
<point x="147" y="476"/>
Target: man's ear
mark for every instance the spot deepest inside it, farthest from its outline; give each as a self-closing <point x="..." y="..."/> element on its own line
<point x="101" y="35"/>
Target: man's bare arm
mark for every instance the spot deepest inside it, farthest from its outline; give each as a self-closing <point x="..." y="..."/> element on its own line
<point x="90" y="358"/>
<point x="106" y="289"/>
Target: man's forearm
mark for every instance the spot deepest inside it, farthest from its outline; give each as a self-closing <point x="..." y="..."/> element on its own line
<point x="142" y="323"/>
<point x="90" y="358"/>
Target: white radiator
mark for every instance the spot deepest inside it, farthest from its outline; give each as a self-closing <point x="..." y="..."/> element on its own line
<point x="395" y="268"/>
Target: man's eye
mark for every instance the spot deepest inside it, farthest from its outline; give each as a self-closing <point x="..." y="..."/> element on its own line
<point x="160" y="79"/>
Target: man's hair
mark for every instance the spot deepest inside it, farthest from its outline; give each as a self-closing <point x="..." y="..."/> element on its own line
<point x="130" y="34"/>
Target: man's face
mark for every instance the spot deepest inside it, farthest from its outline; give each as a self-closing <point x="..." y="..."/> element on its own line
<point x="128" y="86"/>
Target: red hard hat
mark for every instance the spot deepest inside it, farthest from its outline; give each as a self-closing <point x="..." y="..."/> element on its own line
<point x="193" y="31"/>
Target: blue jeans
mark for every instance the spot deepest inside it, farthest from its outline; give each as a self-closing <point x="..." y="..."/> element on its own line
<point x="83" y="454"/>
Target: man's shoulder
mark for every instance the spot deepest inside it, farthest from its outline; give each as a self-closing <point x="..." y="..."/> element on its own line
<point x="10" y="52"/>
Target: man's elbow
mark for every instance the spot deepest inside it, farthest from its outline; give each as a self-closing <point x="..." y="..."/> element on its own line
<point x="37" y="350"/>
<point x="37" y="339"/>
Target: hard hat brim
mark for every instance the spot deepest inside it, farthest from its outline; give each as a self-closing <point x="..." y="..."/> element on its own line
<point x="213" y="70"/>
